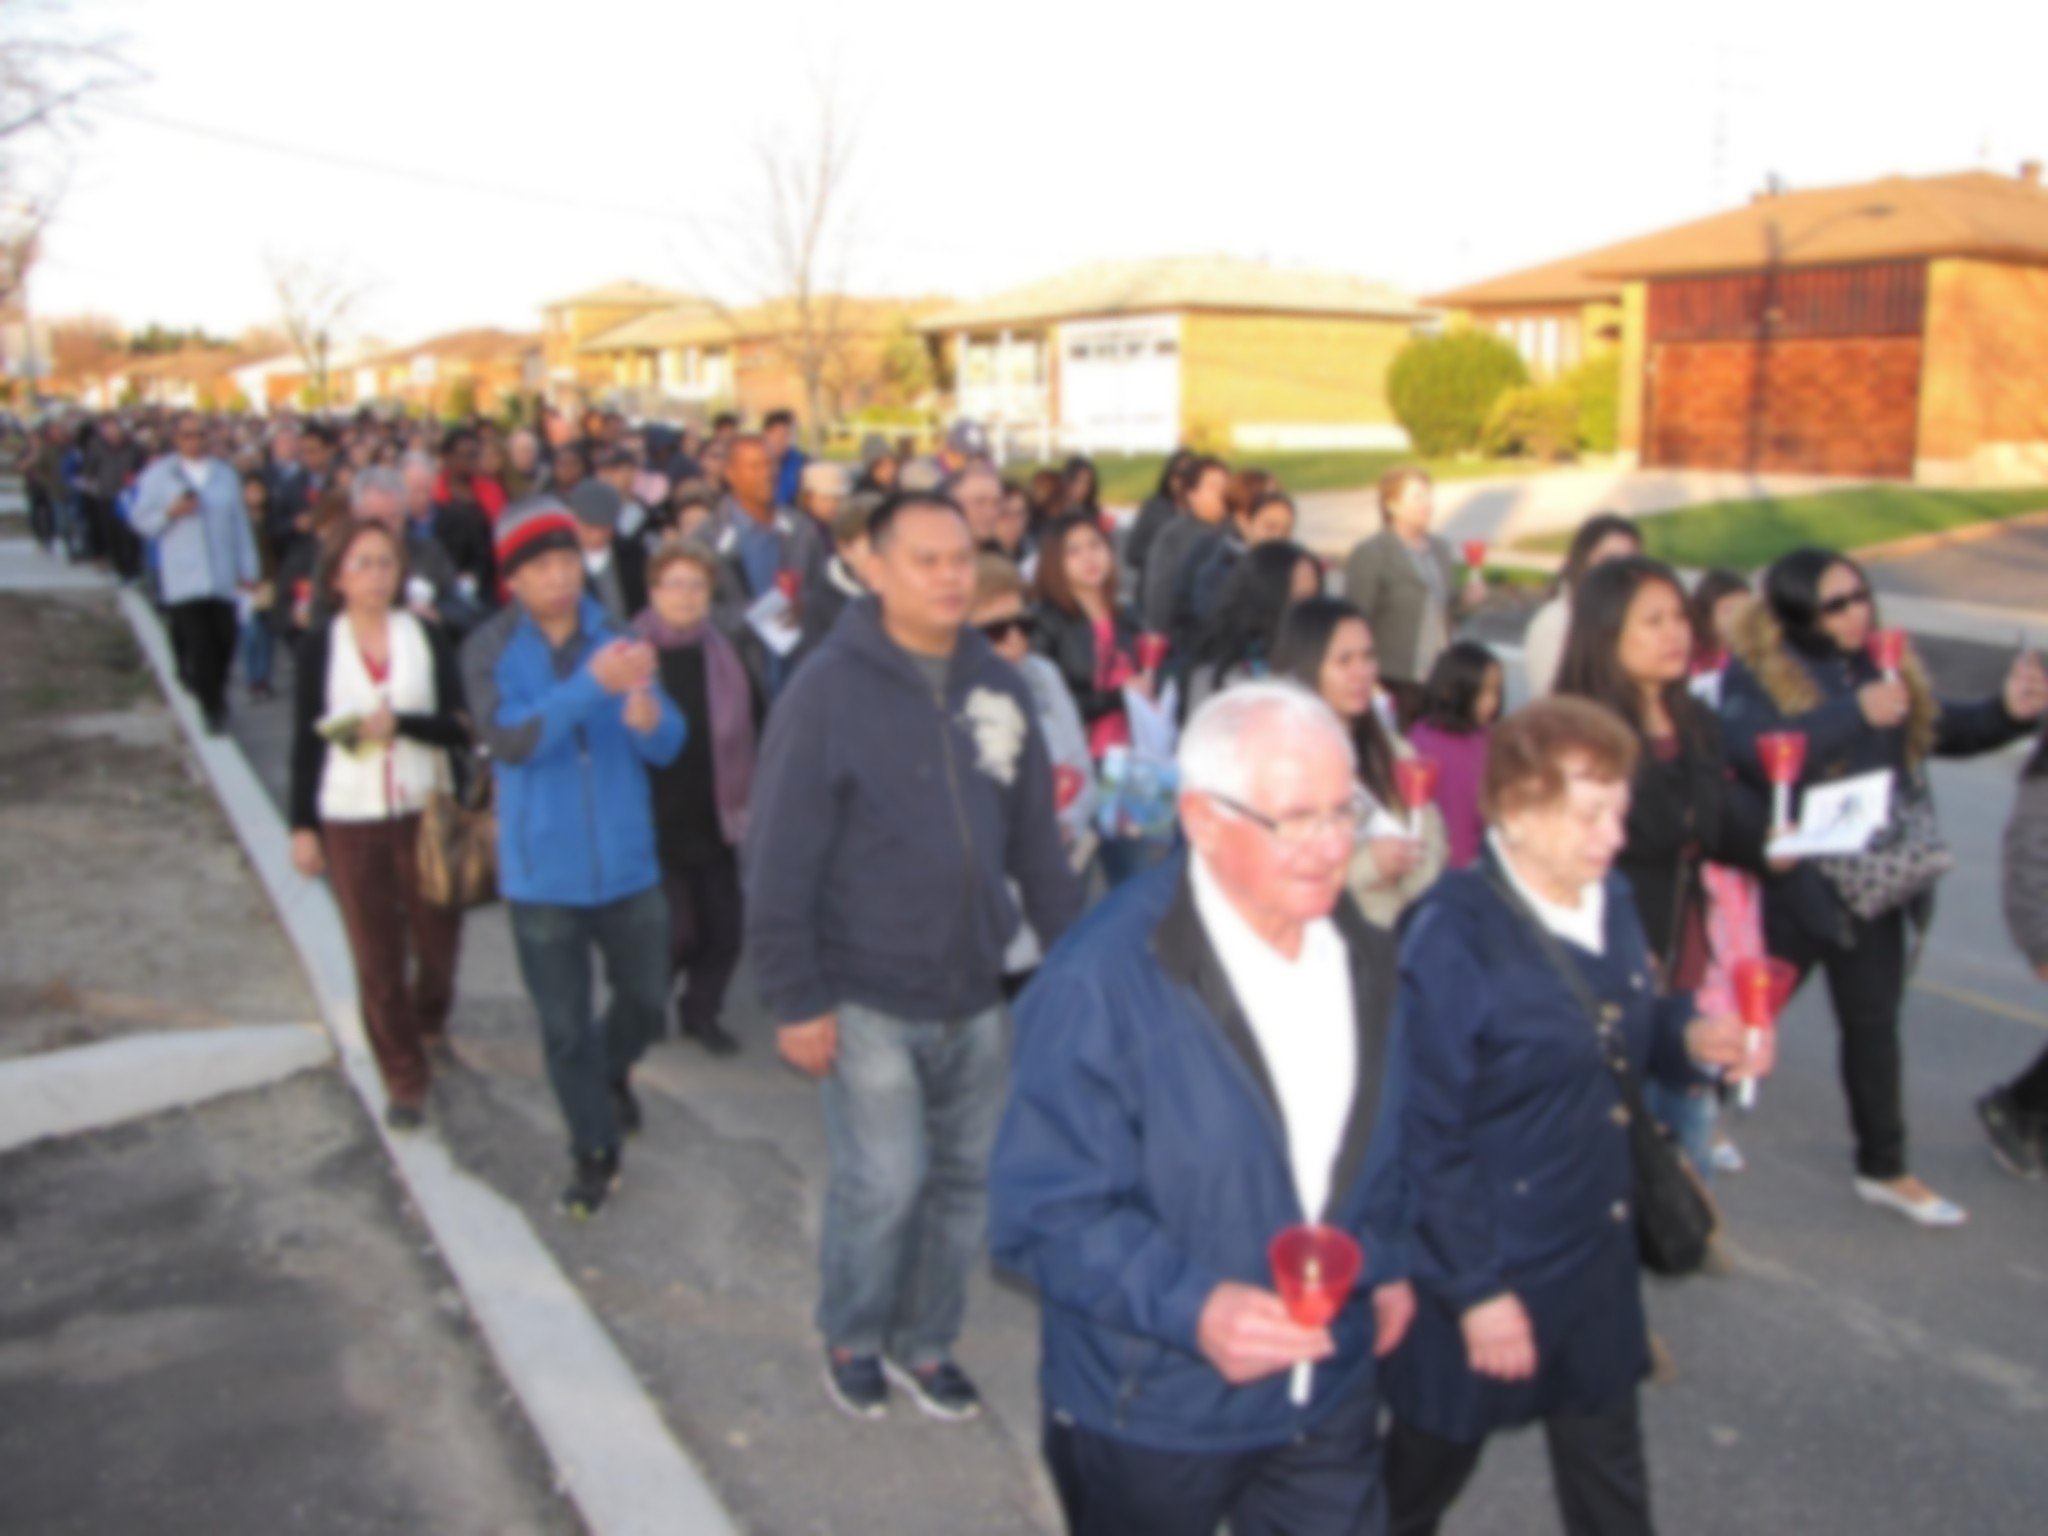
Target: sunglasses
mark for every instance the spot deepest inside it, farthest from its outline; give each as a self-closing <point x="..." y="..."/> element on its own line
<point x="998" y="630"/>
<point x="1835" y="607"/>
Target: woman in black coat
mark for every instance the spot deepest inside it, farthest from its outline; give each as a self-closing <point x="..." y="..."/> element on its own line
<point x="1801" y="664"/>
<point x="1529" y="1297"/>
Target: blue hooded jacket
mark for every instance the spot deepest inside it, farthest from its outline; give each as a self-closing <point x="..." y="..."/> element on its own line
<point x="1143" y="1160"/>
<point x="575" y="815"/>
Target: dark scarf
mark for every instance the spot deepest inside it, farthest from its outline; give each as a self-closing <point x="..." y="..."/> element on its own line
<point x="732" y="714"/>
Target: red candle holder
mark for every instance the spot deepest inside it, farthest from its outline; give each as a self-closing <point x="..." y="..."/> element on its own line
<point x="1475" y="553"/>
<point x="1887" y="648"/>
<point x="1763" y="985"/>
<point x="1067" y="783"/>
<point x="789" y="584"/>
<point x="1415" y="778"/>
<point x="1783" y="755"/>
<point x="1151" y="652"/>
<point x="1314" y="1270"/>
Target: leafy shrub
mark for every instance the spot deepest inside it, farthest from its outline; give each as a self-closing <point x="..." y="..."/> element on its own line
<point x="1540" y="421"/>
<point x="1442" y="387"/>
<point x="1598" y="382"/>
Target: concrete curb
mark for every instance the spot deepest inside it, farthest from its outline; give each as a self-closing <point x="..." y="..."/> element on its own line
<point x="612" y="1451"/>
<point x="60" y="1093"/>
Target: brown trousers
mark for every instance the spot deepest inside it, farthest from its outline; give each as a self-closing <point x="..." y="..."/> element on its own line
<point x="404" y="948"/>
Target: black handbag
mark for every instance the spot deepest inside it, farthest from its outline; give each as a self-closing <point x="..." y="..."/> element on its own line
<point x="1675" y="1219"/>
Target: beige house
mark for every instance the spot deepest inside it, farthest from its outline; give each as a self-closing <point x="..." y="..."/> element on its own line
<point x="1135" y="357"/>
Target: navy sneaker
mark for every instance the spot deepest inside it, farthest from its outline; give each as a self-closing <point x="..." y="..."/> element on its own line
<point x="941" y="1391"/>
<point x="2015" y="1137"/>
<point x="596" y="1176"/>
<point x="856" y="1385"/>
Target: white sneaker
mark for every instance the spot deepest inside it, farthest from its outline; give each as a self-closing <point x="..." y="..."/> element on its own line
<point x="1931" y="1212"/>
<point x="1727" y="1157"/>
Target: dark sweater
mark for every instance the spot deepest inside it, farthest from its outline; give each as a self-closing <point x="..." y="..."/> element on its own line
<point x="446" y="726"/>
<point x="888" y="821"/>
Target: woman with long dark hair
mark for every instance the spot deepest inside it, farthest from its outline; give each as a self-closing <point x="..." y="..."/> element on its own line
<point x="1718" y="600"/>
<point x="1801" y="664"/>
<point x="1460" y="703"/>
<point x="1630" y="648"/>
<point x="1325" y="645"/>
<point x="1083" y="489"/>
<point x="1159" y="508"/>
<point x="1237" y="642"/>
<point x="1600" y="538"/>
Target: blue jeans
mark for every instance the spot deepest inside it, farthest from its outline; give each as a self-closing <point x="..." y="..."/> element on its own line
<point x="257" y="644"/>
<point x="910" y="1118"/>
<point x="586" y="1054"/>
<point x="1690" y="1115"/>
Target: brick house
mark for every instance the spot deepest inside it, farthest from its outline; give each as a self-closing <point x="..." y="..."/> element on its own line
<point x="1892" y="329"/>
<point x="1139" y="356"/>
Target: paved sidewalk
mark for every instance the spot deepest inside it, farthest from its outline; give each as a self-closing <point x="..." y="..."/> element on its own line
<point x="219" y="1320"/>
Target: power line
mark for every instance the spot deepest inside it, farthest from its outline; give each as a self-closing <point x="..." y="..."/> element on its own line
<point x="442" y="181"/>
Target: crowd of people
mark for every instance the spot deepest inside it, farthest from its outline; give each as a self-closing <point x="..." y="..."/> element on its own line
<point x="1391" y="962"/>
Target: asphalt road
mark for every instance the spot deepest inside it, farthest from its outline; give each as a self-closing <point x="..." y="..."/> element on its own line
<point x="2008" y="569"/>
<point x="1855" y="1375"/>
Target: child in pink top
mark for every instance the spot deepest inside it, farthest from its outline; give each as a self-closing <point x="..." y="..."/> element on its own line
<point x="1460" y="702"/>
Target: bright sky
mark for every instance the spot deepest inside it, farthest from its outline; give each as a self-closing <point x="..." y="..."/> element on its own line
<point x="528" y="151"/>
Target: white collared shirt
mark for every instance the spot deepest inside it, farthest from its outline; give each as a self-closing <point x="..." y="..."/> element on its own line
<point x="1584" y="925"/>
<point x="1301" y="1014"/>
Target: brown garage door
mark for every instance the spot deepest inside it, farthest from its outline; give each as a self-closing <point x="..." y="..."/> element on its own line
<point x="1813" y="370"/>
<point x="1845" y="406"/>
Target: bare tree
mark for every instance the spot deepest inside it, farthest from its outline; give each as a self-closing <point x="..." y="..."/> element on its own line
<point x="792" y="252"/>
<point x="49" y="74"/>
<point x="316" y="305"/>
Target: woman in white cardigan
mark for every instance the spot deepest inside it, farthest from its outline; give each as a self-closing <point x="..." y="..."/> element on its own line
<point x="384" y="685"/>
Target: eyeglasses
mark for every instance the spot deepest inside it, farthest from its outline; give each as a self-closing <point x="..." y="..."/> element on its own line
<point x="1301" y="829"/>
<point x="996" y="631"/>
<point x="1835" y="607"/>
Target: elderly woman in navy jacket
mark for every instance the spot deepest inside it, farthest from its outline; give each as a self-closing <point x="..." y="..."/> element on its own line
<point x="1204" y="1062"/>
<point x="1529" y="1302"/>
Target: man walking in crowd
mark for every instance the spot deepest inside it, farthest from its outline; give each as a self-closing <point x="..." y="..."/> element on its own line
<point x="759" y="545"/>
<point x="1208" y="483"/>
<point x="573" y="715"/>
<point x="778" y="433"/>
<point x="902" y="785"/>
<point x="295" y="497"/>
<point x="191" y="504"/>
<point x="597" y="508"/>
<point x="1206" y="1062"/>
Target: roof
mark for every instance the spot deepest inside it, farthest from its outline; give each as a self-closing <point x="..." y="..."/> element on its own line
<point x="674" y="326"/>
<point x="1179" y="283"/>
<point x="186" y="363"/>
<point x="622" y="293"/>
<point x="460" y="346"/>
<point x="1969" y="213"/>
<point x="700" y="323"/>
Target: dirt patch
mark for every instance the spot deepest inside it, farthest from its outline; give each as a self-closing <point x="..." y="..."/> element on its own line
<point x="128" y="906"/>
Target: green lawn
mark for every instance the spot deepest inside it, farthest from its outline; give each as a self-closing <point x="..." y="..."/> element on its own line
<point x="1132" y="478"/>
<point x="1744" y="535"/>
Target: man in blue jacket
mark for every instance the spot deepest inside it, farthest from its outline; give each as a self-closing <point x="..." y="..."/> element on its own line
<point x="572" y="714"/>
<point x="1207" y="1061"/>
<point x="902" y="786"/>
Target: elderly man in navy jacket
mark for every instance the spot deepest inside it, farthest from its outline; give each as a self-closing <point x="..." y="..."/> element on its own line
<point x="1204" y="1062"/>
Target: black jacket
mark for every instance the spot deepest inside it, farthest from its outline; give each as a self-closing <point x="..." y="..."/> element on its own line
<point x="1068" y="639"/>
<point x="1682" y="813"/>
